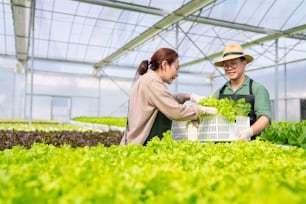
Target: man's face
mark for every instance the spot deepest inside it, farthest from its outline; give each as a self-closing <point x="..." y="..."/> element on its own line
<point x="234" y="68"/>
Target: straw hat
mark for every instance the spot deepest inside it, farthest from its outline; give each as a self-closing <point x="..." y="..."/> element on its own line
<point x="233" y="51"/>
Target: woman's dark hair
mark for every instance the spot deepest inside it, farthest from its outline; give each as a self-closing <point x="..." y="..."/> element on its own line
<point x="162" y="54"/>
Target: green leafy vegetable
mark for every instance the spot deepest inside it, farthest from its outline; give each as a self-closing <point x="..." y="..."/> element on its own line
<point x="228" y="108"/>
<point x="165" y="171"/>
<point x="286" y="133"/>
<point x="120" y="122"/>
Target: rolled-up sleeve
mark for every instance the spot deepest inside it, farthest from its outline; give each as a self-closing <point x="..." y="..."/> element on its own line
<point x="262" y="104"/>
<point x="180" y="97"/>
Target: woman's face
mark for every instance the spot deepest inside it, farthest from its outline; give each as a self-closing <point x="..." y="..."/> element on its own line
<point x="169" y="72"/>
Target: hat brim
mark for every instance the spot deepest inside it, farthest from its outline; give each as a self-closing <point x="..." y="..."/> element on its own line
<point x="220" y="63"/>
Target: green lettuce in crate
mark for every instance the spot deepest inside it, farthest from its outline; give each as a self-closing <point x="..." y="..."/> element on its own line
<point x="228" y="108"/>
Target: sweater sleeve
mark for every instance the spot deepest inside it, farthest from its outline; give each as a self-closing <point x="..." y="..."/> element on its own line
<point x="180" y="97"/>
<point x="164" y="101"/>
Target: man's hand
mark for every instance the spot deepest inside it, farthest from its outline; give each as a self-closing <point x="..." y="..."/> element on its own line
<point x="246" y="134"/>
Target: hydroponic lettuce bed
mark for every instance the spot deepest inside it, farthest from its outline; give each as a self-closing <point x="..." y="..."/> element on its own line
<point x="25" y="135"/>
<point x="163" y="172"/>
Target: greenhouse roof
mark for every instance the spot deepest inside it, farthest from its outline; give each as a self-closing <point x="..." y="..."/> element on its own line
<point x="120" y="34"/>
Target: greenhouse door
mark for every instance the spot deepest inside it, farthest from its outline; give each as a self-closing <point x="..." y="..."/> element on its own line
<point x="60" y="109"/>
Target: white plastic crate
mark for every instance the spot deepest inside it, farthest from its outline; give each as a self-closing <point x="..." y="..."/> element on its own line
<point x="183" y="130"/>
<point x="211" y="128"/>
<point x="218" y="128"/>
<point x="179" y="130"/>
<point x="242" y="122"/>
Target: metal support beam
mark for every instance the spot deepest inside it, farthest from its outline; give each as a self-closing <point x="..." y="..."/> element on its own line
<point x="192" y="18"/>
<point x="176" y="48"/>
<point x="32" y="17"/>
<point x="243" y="27"/>
<point x="250" y="44"/>
<point x="276" y="79"/>
<point x="21" y="10"/>
<point x="164" y="23"/>
<point x="21" y="66"/>
<point x="127" y="6"/>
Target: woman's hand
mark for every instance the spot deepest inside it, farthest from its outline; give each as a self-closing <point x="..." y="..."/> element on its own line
<point x="196" y="98"/>
<point x="208" y="110"/>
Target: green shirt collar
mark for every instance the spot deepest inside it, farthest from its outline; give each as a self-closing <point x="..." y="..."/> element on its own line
<point x="245" y="82"/>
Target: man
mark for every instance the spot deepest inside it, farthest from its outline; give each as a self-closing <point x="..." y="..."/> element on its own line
<point x="234" y="62"/>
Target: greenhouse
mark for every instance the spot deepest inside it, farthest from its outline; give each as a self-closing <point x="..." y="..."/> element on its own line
<point x="67" y="73"/>
<point x="63" y="59"/>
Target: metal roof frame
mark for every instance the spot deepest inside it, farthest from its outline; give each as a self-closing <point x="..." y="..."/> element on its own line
<point x="22" y="9"/>
<point x="169" y="20"/>
<point x="249" y="44"/>
<point x="272" y="33"/>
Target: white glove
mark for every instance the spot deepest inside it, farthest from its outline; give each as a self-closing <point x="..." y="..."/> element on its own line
<point x="246" y="134"/>
<point x="208" y="110"/>
<point x="196" y="98"/>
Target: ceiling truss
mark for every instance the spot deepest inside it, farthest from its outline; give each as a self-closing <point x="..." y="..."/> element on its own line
<point x="22" y="10"/>
<point x="169" y="20"/>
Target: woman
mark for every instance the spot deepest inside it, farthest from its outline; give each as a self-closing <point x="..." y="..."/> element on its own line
<point x="152" y="107"/>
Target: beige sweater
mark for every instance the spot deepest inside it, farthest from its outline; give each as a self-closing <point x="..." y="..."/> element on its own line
<point x="150" y="95"/>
